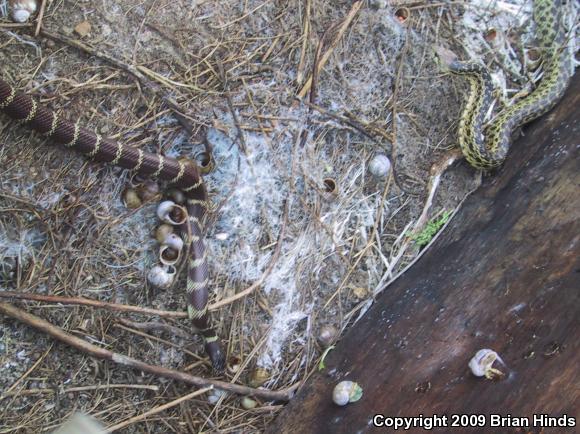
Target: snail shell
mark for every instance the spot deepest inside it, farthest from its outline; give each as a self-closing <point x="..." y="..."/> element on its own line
<point x="162" y="232"/>
<point x="215" y="395"/>
<point x="170" y="250"/>
<point x="345" y="392"/>
<point x="327" y="335"/>
<point x="169" y="255"/>
<point x="21" y="10"/>
<point x="131" y="199"/>
<point x="258" y="377"/>
<point x="248" y="403"/>
<point x="162" y="276"/>
<point x="169" y="212"/>
<point x="481" y="364"/>
<point x="380" y="165"/>
<point x="174" y="241"/>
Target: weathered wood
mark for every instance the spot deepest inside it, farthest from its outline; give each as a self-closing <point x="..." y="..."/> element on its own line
<point x="504" y="275"/>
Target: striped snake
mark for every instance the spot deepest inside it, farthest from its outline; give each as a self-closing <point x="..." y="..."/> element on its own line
<point x="486" y="146"/>
<point x="183" y="175"/>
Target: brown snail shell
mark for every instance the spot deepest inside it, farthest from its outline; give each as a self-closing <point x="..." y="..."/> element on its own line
<point x="168" y="255"/>
<point x="162" y="232"/>
<point x="258" y="377"/>
<point x="131" y="199"/>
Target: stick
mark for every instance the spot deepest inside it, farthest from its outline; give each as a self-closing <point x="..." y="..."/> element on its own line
<point x="157" y="409"/>
<point x="102" y="353"/>
<point x="351" y="14"/>
<point x="89" y="302"/>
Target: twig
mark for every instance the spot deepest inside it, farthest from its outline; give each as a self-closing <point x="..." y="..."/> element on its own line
<point x="102" y="353"/>
<point x="305" y="33"/>
<point x="89" y="302"/>
<point x="47" y="391"/>
<point x="224" y="80"/>
<point x="152" y="325"/>
<point x="435" y="173"/>
<point x="346" y="22"/>
<point x="158" y="409"/>
<point x="40" y="17"/>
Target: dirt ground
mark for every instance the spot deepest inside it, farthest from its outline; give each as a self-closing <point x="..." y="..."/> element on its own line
<point x="239" y="71"/>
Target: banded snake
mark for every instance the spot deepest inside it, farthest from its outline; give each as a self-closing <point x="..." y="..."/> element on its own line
<point x="486" y="146"/>
<point x="183" y="175"/>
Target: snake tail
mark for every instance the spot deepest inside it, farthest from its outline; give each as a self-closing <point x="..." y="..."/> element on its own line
<point x="183" y="175"/>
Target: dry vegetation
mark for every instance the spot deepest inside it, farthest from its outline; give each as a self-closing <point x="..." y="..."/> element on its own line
<point x="239" y="71"/>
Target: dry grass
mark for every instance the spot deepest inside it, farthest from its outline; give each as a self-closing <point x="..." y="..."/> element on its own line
<point x="235" y="69"/>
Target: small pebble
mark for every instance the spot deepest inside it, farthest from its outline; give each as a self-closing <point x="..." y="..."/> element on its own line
<point x="83" y="28"/>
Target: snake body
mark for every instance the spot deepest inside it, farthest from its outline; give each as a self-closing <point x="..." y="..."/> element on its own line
<point x="183" y="175"/>
<point x="486" y="147"/>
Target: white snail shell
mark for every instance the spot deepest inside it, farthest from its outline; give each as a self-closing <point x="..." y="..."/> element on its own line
<point x="167" y="210"/>
<point x="327" y="335"/>
<point x="215" y="395"/>
<point x="21" y="10"/>
<point x="481" y="364"/>
<point x="174" y="241"/>
<point x="345" y="392"/>
<point x="162" y="276"/>
<point x="248" y="403"/>
<point x="380" y="166"/>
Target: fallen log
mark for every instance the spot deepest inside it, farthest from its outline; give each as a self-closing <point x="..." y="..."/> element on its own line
<point x="505" y="276"/>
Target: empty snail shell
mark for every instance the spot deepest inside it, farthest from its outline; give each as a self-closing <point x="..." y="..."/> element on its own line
<point x="131" y="199"/>
<point x="162" y="232"/>
<point x="206" y="162"/>
<point x="258" y="377"/>
<point x="169" y="212"/>
<point x="481" y="364"/>
<point x="168" y="255"/>
<point x="345" y="392"/>
<point x="173" y="241"/>
<point x="380" y="165"/>
<point x="215" y="395"/>
<point x="327" y="335"/>
<point x="248" y="403"/>
<point x="234" y="364"/>
<point x="162" y="276"/>
<point x="21" y="10"/>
